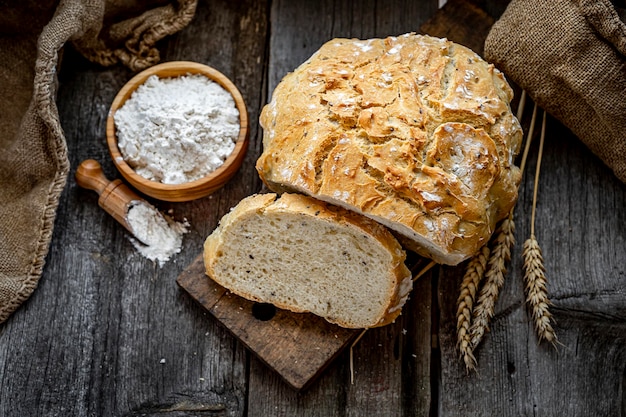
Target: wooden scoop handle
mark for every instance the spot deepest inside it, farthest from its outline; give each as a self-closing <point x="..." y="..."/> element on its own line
<point x="115" y="196"/>
<point x="89" y="175"/>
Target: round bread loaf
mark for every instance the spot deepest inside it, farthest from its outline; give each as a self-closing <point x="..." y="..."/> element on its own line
<point x="413" y="131"/>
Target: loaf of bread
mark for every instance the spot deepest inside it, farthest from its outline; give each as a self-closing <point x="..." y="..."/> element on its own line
<point x="413" y="131"/>
<point x="303" y="255"/>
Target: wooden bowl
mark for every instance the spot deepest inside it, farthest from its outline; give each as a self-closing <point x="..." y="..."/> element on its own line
<point x="193" y="189"/>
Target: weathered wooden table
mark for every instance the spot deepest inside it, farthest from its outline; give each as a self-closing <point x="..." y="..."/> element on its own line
<point x="108" y="333"/>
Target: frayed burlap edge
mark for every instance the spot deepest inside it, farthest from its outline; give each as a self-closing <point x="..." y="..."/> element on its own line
<point x="50" y="41"/>
<point x="137" y="36"/>
<point x="73" y="19"/>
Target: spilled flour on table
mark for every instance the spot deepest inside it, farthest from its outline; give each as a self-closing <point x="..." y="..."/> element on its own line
<point x="156" y="237"/>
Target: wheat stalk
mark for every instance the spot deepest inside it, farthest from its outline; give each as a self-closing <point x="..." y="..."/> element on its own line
<point x="494" y="279"/>
<point x="531" y="130"/>
<point x="423" y="270"/>
<point x="534" y="270"/>
<point x="352" y="355"/>
<point x="536" y="290"/>
<point x="469" y="287"/>
<point x="521" y="105"/>
<point x="468" y="340"/>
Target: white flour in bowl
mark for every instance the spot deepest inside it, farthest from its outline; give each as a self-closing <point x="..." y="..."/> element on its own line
<point x="156" y="237"/>
<point x="176" y="130"/>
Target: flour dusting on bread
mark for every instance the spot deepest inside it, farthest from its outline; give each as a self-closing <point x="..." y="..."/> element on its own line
<point x="413" y="131"/>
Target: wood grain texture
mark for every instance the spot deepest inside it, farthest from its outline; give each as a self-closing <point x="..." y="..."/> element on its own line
<point x="517" y="375"/>
<point x="392" y="365"/>
<point x="107" y="333"/>
<point x="476" y="25"/>
<point x="296" y="346"/>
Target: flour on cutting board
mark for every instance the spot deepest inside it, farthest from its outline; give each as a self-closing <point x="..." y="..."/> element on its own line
<point x="176" y="130"/>
<point x="155" y="237"/>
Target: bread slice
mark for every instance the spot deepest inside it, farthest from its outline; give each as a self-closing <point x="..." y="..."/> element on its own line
<point x="412" y="131"/>
<point x="303" y="255"/>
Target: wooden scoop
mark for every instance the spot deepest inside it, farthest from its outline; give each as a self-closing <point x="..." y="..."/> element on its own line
<point x="115" y="196"/>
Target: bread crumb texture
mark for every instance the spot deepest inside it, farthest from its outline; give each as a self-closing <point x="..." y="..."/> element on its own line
<point x="413" y="131"/>
<point x="306" y="256"/>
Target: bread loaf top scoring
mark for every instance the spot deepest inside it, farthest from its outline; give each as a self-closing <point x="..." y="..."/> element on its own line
<point x="303" y="255"/>
<point x="413" y="131"/>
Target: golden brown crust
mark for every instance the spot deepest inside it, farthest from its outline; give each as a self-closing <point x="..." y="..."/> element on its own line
<point x="413" y="131"/>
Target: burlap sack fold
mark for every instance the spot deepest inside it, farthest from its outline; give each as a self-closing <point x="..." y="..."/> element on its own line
<point x="33" y="153"/>
<point x="131" y="41"/>
<point x="570" y="56"/>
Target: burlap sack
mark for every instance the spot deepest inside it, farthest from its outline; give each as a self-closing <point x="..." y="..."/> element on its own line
<point x="570" y="56"/>
<point x="33" y="154"/>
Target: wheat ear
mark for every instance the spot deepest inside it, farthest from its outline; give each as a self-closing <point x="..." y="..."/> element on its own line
<point x="494" y="279"/>
<point x="534" y="270"/>
<point x="466" y="329"/>
<point x="536" y="290"/>
<point x="469" y="287"/>
<point x="500" y="255"/>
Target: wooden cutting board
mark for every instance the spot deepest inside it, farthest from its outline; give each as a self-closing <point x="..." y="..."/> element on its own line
<point x="300" y="346"/>
<point x="297" y="346"/>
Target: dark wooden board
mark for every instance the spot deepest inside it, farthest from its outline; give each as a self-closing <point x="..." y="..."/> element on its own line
<point x="462" y="22"/>
<point x="296" y="346"/>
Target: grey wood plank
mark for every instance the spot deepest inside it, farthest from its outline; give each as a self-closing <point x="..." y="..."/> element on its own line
<point x="581" y="228"/>
<point x="391" y="373"/>
<point x="107" y="332"/>
<point x="392" y="364"/>
<point x="300" y="28"/>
